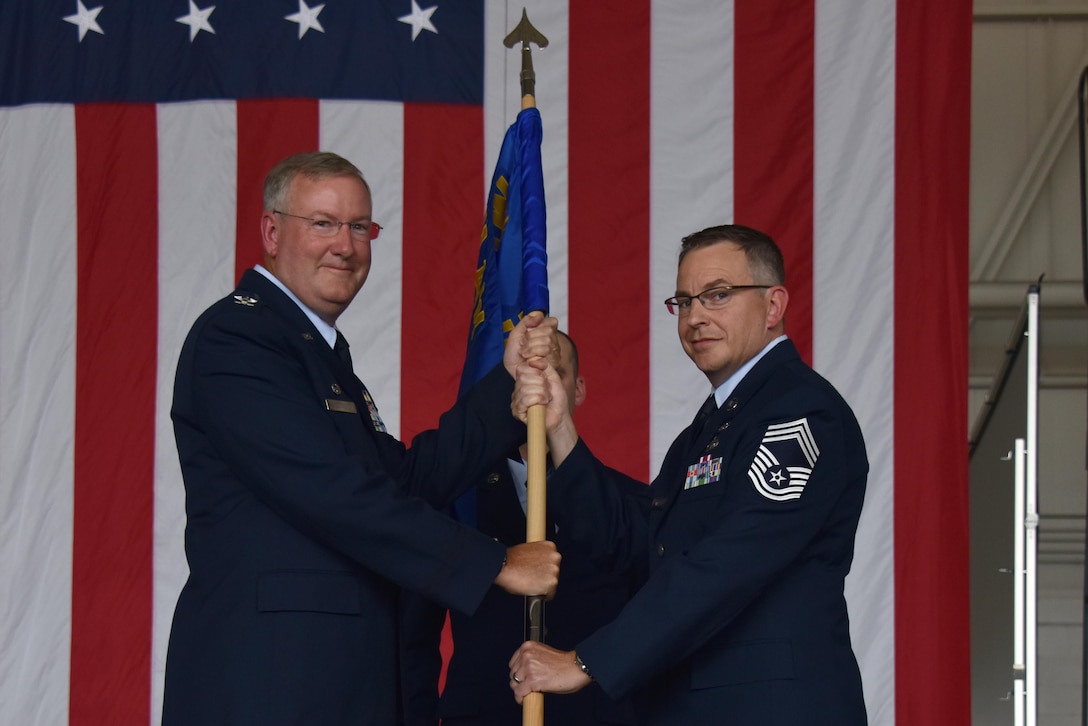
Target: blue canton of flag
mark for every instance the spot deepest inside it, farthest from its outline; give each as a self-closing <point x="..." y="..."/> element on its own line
<point x="154" y="52"/>
<point x="512" y="269"/>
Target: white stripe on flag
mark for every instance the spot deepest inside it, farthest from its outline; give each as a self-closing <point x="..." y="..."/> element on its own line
<point x="371" y="135"/>
<point x="37" y="391"/>
<point x="853" y="281"/>
<point x="691" y="177"/>
<point x="197" y="191"/>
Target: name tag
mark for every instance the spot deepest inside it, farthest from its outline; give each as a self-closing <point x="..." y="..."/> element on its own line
<point x="339" y="406"/>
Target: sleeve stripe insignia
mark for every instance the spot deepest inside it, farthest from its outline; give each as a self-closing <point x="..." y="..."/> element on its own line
<point x="785" y="460"/>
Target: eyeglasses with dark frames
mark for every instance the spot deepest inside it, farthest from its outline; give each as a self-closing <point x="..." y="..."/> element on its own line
<point x="714" y="298"/>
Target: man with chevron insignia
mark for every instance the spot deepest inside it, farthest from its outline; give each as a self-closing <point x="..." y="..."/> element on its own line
<point x="748" y="533"/>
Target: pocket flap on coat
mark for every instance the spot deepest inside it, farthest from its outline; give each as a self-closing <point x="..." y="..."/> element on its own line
<point x="765" y="660"/>
<point x="319" y="592"/>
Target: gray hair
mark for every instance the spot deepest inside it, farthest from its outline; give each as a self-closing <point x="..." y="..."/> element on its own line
<point x="312" y="165"/>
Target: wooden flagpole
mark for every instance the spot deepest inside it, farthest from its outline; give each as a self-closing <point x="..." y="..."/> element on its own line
<point x="532" y="713"/>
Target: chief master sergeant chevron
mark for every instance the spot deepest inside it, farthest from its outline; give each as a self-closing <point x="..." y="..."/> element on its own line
<point x="302" y="513"/>
<point x="748" y="534"/>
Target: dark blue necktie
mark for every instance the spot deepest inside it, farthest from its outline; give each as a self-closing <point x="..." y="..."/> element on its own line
<point x="709" y="407"/>
<point x="342" y="351"/>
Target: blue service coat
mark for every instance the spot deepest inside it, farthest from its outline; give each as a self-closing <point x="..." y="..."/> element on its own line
<point x="747" y="538"/>
<point x="301" y="524"/>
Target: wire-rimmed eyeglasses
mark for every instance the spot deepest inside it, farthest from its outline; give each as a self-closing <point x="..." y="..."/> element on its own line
<point x="714" y="298"/>
<point x="323" y="227"/>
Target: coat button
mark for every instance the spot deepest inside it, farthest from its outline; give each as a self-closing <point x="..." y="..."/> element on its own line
<point x="660" y="550"/>
<point x="658" y="503"/>
<point x="731" y="404"/>
<point x="493" y="478"/>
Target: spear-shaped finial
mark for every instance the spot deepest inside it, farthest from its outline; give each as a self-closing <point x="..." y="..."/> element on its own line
<point x="525" y="33"/>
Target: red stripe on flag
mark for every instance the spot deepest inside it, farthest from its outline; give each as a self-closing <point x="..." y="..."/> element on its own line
<point x="773" y="140"/>
<point x="609" y="248"/>
<point x="268" y="131"/>
<point x="116" y="344"/>
<point x="443" y="213"/>
<point x="933" y="93"/>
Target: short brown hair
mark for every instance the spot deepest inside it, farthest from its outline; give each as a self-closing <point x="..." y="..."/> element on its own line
<point x="764" y="257"/>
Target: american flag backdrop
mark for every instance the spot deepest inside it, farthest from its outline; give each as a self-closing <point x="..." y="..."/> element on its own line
<point x="134" y="135"/>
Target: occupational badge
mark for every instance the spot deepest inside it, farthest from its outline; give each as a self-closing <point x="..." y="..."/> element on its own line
<point x="784" y="461"/>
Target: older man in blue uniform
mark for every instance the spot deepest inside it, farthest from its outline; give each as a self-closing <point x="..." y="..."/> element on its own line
<point x="303" y="520"/>
<point x="749" y="533"/>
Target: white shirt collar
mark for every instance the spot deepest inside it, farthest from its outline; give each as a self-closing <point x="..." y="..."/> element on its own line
<point x="723" y="391"/>
<point x="519" y="472"/>
<point x="328" y="332"/>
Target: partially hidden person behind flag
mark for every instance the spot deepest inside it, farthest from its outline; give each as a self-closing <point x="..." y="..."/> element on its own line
<point x="749" y="531"/>
<point x="475" y="691"/>
<point x="304" y="517"/>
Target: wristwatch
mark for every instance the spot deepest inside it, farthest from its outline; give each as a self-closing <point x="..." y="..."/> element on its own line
<point x="585" y="669"/>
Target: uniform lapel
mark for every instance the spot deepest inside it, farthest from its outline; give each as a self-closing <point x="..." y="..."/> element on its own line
<point x="498" y="509"/>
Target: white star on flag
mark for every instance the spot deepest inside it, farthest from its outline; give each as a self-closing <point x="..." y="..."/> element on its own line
<point x="85" y="19"/>
<point x="197" y="20"/>
<point x="420" y="20"/>
<point x="306" y="17"/>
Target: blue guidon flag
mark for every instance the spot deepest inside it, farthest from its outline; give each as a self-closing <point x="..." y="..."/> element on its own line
<point x="784" y="461"/>
<point x="512" y="268"/>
